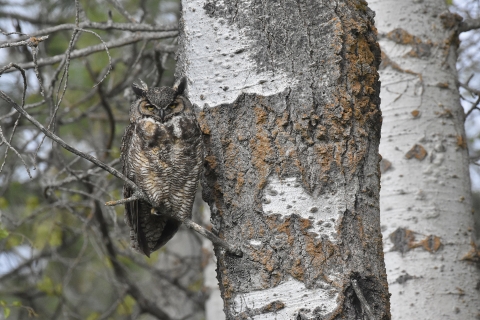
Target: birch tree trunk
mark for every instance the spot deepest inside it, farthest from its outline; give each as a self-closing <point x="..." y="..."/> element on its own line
<point x="425" y="200"/>
<point x="289" y="98"/>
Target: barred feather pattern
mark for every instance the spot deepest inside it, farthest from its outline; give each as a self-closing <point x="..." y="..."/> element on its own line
<point x="165" y="160"/>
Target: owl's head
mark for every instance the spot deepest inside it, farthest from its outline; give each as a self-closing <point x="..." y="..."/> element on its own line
<point x="160" y="103"/>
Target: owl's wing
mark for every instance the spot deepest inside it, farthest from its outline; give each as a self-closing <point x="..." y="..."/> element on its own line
<point x="134" y="209"/>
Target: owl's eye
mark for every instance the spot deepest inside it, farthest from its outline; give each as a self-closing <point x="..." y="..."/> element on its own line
<point x="149" y="107"/>
<point x="173" y="105"/>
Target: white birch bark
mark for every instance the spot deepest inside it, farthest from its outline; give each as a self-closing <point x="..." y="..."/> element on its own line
<point x="426" y="212"/>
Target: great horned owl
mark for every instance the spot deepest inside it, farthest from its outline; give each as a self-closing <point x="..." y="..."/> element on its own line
<point x="162" y="152"/>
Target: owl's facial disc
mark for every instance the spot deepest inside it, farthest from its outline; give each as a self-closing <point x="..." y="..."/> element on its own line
<point x="150" y="110"/>
<point x="161" y="113"/>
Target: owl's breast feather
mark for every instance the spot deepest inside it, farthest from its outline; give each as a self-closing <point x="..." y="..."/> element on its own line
<point x="151" y="131"/>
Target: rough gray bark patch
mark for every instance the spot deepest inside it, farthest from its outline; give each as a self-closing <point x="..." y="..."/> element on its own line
<point x="325" y="132"/>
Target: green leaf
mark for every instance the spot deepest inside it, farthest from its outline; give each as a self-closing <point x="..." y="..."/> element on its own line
<point x="93" y="316"/>
<point x="55" y="237"/>
<point x="3" y="203"/>
<point x="16" y="304"/>
<point x="3" y="233"/>
<point x="46" y="285"/>
<point x="32" y="203"/>
<point x="6" y="312"/>
<point x="126" y="307"/>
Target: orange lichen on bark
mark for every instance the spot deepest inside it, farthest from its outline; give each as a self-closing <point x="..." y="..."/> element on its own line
<point x="264" y="257"/>
<point x="211" y="162"/>
<point x="404" y="240"/>
<point x="231" y="160"/>
<point x="354" y="156"/>
<point x="283" y="121"/>
<point x="401" y="36"/>
<point x="474" y="253"/>
<point x="275" y="223"/>
<point x="261" y="115"/>
<point x="240" y="182"/>
<point x="319" y="251"/>
<point x="261" y="231"/>
<point x="324" y="158"/>
<point x="261" y="149"/>
<point x="228" y="287"/>
<point x="203" y="123"/>
<point x="417" y="151"/>
<point x="297" y="270"/>
<point x="273" y="306"/>
<point x="305" y="224"/>
<point x="217" y="189"/>
<point x="461" y="142"/>
<point x="337" y="153"/>
<point x="430" y="243"/>
<point x="248" y="230"/>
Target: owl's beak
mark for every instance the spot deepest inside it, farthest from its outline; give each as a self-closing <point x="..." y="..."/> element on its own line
<point x="162" y="114"/>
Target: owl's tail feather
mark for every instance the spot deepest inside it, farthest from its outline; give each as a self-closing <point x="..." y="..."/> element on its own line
<point x="136" y="213"/>
<point x="171" y="227"/>
<point x="152" y="231"/>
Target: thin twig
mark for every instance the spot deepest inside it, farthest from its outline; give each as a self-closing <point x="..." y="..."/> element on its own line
<point x="31" y="42"/>
<point x="122" y="10"/>
<point x="111" y="121"/>
<point x="2" y="138"/>
<point x="474" y="107"/>
<point x="108" y="54"/>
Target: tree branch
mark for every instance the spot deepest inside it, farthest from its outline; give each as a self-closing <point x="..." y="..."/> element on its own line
<point x="31" y="42"/>
<point x="469" y="24"/>
<point x="122" y="10"/>
<point x="100" y="47"/>
<point x="132" y="27"/>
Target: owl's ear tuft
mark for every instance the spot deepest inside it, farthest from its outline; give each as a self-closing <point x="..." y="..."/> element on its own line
<point x="180" y="85"/>
<point x="140" y="89"/>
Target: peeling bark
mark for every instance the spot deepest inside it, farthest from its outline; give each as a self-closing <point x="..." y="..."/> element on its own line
<point x="289" y="99"/>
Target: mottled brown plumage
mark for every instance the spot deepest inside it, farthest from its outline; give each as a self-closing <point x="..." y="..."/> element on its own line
<point x="162" y="152"/>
